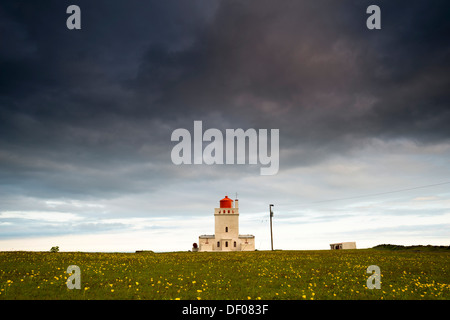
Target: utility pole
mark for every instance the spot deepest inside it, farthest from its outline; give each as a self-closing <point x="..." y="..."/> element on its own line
<point x="271" y="234"/>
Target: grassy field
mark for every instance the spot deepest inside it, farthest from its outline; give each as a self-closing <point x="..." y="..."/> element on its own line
<point x="324" y="274"/>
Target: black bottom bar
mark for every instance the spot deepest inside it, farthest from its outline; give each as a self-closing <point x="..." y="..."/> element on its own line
<point x="229" y="309"/>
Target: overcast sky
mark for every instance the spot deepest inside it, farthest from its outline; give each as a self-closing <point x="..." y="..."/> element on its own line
<point x="86" y="118"/>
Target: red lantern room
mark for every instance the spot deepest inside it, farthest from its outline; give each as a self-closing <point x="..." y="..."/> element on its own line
<point x="226" y="203"/>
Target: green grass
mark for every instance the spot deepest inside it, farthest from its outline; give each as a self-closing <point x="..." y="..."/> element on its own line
<point x="414" y="248"/>
<point x="324" y="274"/>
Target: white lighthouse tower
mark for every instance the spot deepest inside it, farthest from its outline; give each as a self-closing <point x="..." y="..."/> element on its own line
<point x="227" y="237"/>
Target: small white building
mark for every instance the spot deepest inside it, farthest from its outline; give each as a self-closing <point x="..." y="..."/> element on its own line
<point x="343" y="245"/>
<point x="226" y="237"/>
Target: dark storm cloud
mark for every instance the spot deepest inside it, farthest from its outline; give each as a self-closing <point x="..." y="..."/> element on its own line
<point x="314" y="70"/>
<point x="70" y="123"/>
<point x="92" y="111"/>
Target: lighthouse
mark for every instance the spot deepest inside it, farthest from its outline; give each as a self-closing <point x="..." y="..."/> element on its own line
<point x="226" y="237"/>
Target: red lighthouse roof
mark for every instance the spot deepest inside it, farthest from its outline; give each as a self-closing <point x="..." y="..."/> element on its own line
<point x="226" y="203"/>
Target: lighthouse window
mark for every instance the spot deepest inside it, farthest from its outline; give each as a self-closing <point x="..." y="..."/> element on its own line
<point x="218" y="244"/>
<point x="228" y="211"/>
<point x="226" y="229"/>
<point x="226" y="243"/>
<point x="234" y="244"/>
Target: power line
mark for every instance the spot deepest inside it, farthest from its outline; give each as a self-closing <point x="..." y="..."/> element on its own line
<point x="372" y="194"/>
<point x="387" y="192"/>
